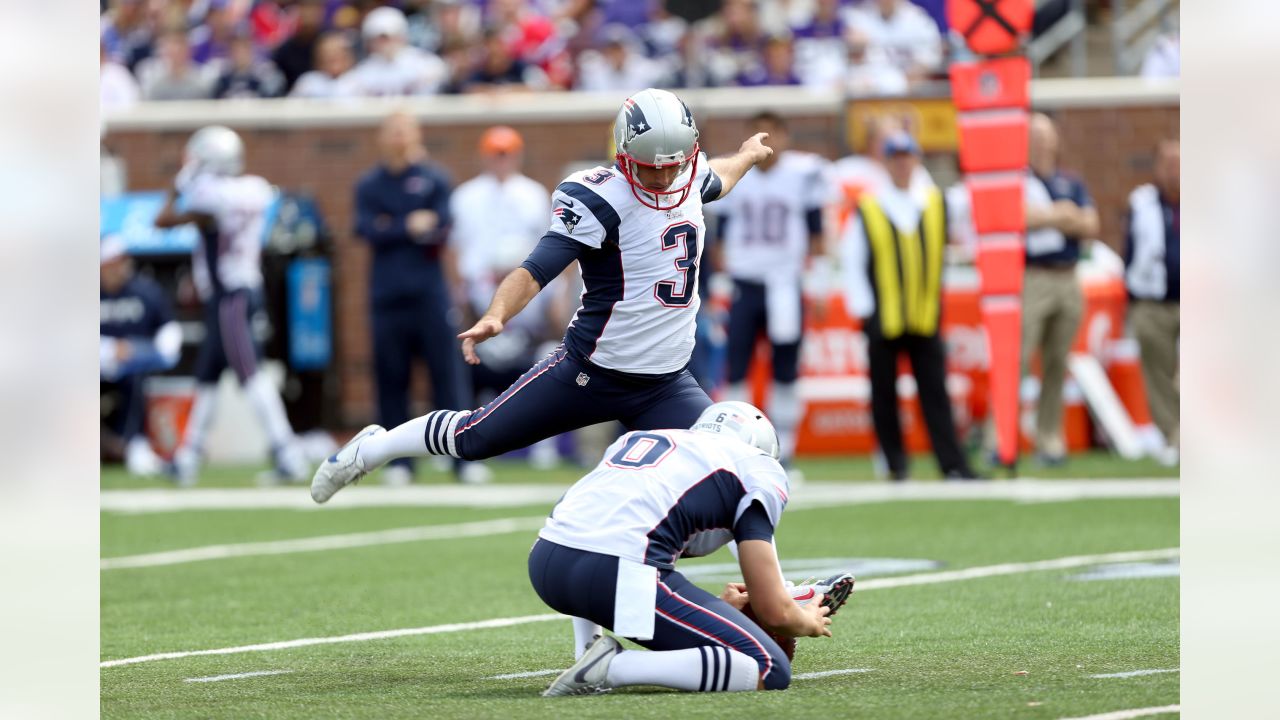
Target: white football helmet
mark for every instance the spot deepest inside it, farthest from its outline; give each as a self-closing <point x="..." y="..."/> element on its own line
<point x="743" y="421"/>
<point x="655" y="128"/>
<point x="214" y="149"/>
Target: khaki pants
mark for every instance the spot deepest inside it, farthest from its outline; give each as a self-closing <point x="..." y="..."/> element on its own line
<point x="1156" y="326"/>
<point x="1052" y="305"/>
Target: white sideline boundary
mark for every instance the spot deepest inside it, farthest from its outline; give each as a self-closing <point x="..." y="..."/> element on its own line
<point x="1134" y="713"/>
<point x="325" y="542"/>
<point x="880" y="584"/>
<point x="813" y="494"/>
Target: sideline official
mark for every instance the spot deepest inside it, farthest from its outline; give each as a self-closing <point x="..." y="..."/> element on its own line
<point x="1060" y="218"/>
<point x="1152" y="257"/>
<point x="892" y="255"/>
<point x="402" y="211"/>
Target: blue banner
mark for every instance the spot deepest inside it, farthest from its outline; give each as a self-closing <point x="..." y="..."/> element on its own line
<point x="132" y="217"/>
<point x="309" y="303"/>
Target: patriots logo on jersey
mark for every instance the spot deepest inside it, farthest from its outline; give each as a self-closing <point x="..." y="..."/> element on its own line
<point x="637" y="124"/>
<point x="568" y="217"/>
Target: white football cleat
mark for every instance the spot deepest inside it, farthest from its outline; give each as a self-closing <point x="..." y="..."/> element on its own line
<point x="474" y="473"/>
<point x="186" y="466"/>
<point x="835" y="591"/>
<point x="397" y="476"/>
<point x="342" y="468"/>
<point x="590" y="674"/>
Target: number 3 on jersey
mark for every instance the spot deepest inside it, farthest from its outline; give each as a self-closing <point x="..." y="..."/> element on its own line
<point x="642" y="450"/>
<point x="681" y="235"/>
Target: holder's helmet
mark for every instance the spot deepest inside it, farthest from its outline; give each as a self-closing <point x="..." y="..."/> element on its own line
<point x="216" y="149"/>
<point x="655" y="129"/>
<point x="743" y="421"/>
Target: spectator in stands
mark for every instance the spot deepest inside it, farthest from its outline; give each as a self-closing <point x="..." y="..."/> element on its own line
<point x="820" y="45"/>
<point x="900" y="303"/>
<point x="1164" y="59"/>
<point x="776" y="66"/>
<point x="211" y="39"/>
<point x="1060" y="218"/>
<point x="869" y="71"/>
<point x="298" y="53"/>
<point x="246" y="76"/>
<point x="618" y="66"/>
<point x="734" y="41"/>
<point x="138" y="337"/>
<point x="333" y="59"/>
<point x="1152" y="253"/>
<point x="117" y="90"/>
<point x="402" y="211"/>
<point x="904" y="32"/>
<point x="499" y="69"/>
<point x="392" y="68"/>
<point x="129" y="29"/>
<point x="532" y="38"/>
<point x="498" y="217"/>
<point x="445" y="24"/>
<point x="171" y="74"/>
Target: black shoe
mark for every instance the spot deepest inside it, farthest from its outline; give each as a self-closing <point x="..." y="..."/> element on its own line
<point x="899" y="475"/>
<point x="963" y="474"/>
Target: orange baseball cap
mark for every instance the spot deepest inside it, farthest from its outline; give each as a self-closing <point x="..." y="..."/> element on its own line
<point x="500" y="139"/>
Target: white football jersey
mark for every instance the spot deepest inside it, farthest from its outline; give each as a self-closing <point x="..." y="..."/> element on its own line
<point x="767" y="235"/>
<point x="230" y="258"/>
<point x="640" y="278"/>
<point x="656" y="489"/>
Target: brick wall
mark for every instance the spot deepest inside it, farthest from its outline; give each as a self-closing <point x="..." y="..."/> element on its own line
<point x="1110" y="147"/>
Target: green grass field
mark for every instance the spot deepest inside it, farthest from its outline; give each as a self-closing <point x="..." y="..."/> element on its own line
<point x="942" y="650"/>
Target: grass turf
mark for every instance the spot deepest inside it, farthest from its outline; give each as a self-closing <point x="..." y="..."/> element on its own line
<point x="935" y="651"/>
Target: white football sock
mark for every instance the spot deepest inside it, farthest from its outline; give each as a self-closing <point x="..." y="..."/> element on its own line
<point x="784" y="412"/>
<point x="270" y="409"/>
<point x="410" y="439"/>
<point x="201" y="417"/>
<point x="710" y="668"/>
<point x="584" y="632"/>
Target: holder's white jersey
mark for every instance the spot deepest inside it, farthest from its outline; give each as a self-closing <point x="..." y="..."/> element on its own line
<point x="767" y="235"/>
<point x="229" y="258"/>
<point x="656" y="489"/>
<point x="640" y="276"/>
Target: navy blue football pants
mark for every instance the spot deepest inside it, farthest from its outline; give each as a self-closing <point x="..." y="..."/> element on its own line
<point x="562" y="392"/>
<point x="417" y="327"/>
<point x="748" y="318"/>
<point x="228" y="337"/>
<point x="582" y="584"/>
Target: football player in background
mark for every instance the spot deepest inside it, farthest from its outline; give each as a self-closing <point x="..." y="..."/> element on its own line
<point x="636" y="230"/>
<point x="138" y="336"/>
<point x="768" y="231"/>
<point x="608" y="553"/>
<point x="228" y="209"/>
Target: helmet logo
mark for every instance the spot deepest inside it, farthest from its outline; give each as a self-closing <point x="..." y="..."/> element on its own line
<point x="687" y="119"/>
<point x="568" y="217"/>
<point x="637" y="124"/>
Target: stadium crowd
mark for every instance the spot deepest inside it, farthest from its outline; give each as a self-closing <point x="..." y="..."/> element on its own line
<point x="194" y="49"/>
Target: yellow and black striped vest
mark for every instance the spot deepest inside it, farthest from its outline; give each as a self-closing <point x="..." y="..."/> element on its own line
<point x="906" y="267"/>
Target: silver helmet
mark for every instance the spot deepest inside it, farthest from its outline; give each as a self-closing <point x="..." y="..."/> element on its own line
<point x="655" y="129"/>
<point x="743" y="421"/>
<point x="216" y="149"/>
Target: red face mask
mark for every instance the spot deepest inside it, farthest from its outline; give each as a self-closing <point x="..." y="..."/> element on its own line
<point x="667" y="199"/>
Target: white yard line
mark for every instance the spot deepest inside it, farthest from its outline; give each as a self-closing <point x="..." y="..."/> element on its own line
<point x="531" y="673"/>
<point x="1136" y="673"/>
<point x="1012" y="568"/>
<point x="356" y="637"/>
<point x="865" y="586"/>
<point x="814" y="494"/>
<point x="1134" y="713"/>
<point x="325" y="542"/>
<point x="829" y="673"/>
<point x="237" y="676"/>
